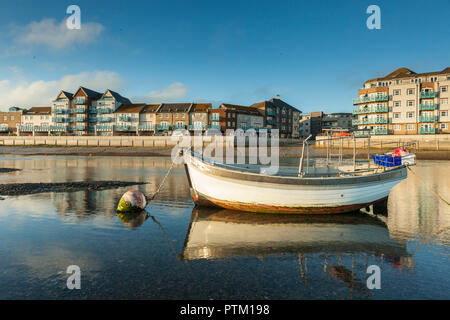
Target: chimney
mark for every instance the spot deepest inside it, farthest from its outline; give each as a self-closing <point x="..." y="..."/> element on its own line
<point x="278" y="96"/>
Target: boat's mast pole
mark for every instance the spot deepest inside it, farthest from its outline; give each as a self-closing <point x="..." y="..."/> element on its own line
<point x="300" y="166"/>
<point x="368" y="150"/>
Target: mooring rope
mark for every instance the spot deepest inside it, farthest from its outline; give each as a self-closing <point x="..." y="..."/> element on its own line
<point x="428" y="188"/>
<point x="162" y="182"/>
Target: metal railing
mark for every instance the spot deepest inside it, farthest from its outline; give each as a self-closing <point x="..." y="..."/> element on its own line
<point x="378" y="98"/>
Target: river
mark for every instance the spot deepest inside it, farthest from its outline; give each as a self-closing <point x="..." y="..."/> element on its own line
<point x="176" y="251"/>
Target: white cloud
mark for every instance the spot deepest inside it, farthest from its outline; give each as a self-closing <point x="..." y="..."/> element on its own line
<point x="42" y="93"/>
<point x="174" y="91"/>
<point x="57" y="36"/>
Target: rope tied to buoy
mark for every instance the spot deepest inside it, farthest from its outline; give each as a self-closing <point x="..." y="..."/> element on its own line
<point x="162" y="182"/>
<point x="428" y="188"/>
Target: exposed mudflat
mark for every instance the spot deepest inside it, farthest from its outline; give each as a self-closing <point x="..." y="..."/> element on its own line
<point x="6" y="170"/>
<point x="16" y="189"/>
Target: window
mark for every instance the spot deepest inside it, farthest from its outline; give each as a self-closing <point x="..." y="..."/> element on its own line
<point x="444" y="113"/>
<point x="443" y="126"/>
<point x="410" y="114"/>
<point x="397" y="92"/>
<point x="167" y="115"/>
<point x="396" y="115"/>
<point x="397" y="127"/>
<point x="176" y="115"/>
<point x="444" y="101"/>
<point x="12" y="118"/>
<point x="410" y="91"/>
<point x="160" y="115"/>
<point x="444" y="89"/>
<point x="410" y="103"/>
<point x="229" y="124"/>
<point x="5" y="118"/>
<point x="182" y="115"/>
<point x="397" y="103"/>
<point x="410" y="127"/>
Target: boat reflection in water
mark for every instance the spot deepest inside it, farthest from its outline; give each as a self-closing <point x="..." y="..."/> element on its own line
<point x="217" y="234"/>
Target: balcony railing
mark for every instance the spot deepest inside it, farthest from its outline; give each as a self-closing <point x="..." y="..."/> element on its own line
<point x="4" y="128"/>
<point x="79" y="110"/>
<point x="58" y="128"/>
<point x="424" y="106"/>
<point x="104" y="110"/>
<point x="214" y="117"/>
<point x="379" y="131"/>
<point x="162" y="127"/>
<point x="104" y="119"/>
<point x="92" y="119"/>
<point x="196" y="127"/>
<point x="60" y="111"/>
<point x="146" y="127"/>
<point x="425" y="118"/>
<point x="271" y="113"/>
<point x="124" y="118"/>
<point x="428" y="94"/>
<point x="427" y="130"/>
<point x="372" y="109"/>
<point x="271" y="121"/>
<point x="370" y="121"/>
<point x="179" y="126"/>
<point x="92" y="110"/>
<point x="61" y="119"/>
<point x="79" y="101"/>
<point x="79" y="127"/>
<point x="214" y="127"/>
<point x="124" y="128"/>
<point x="104" y="127"/>
<point x="379" y="98"/>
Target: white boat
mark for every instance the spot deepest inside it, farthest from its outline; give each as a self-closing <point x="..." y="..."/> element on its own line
<point x="323" y="190"/>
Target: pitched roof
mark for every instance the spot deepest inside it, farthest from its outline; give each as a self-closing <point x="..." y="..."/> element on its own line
<point x="405" y="72"/>
<point x="239" y="108"/>
<point x="67" y="94"/>
<point x="175" y="107"/>
<point x="281" y="104"/>
<point x="130" y="108"/>
<point x="117" y="96"/>
<point x="38" y="110"/>
<point x="200" y="107"/>
<point x="150" y="108"/>
<point x="91" y="93"/>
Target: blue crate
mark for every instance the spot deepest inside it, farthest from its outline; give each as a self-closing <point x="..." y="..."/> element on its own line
<point x="386" y="160"/>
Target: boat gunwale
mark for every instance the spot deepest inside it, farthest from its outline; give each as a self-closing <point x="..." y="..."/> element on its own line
<point x="392" y="174"/>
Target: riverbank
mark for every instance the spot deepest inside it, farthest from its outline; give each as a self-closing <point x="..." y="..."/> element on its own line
<point x="293" y="151"/>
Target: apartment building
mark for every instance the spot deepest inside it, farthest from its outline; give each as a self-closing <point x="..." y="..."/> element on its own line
<point x="280" y="115"/>
<point x="101" y="113"/>
<point x="199" y="116"/>
<point x="61" y="111"/>
<point x="10" y="120"/>
<point x="315" y="123"/>
<point x="147" y="119"/>
<point x="241" y="117"/>
<point x="84" y="103"/>
<point x="173" y="116"/>
<point x="126" y="119"/>
<point x="405" y="102"/>
<point x="36" y="121"/>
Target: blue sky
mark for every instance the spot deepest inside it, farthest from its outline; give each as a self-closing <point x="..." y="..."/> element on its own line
<point x="315" y="54"/>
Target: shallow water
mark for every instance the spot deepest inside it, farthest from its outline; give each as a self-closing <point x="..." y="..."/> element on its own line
<point x="176" y="251"/>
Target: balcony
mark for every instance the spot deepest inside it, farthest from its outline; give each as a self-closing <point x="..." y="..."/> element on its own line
<point x="146" y="127"/>
<point x="79" y="119"/>
<point x="428" y="94"/>
<point x="214" y="127"/>
<point x="370" y="121"/>
<point x="179" y="126"/>
<point x="426" y="118"/>
<point x="4" y="128"/>
<point x="79" y="110"/>
<point x="92" y="111"/>
<point x="124" y="128"/>
<point x="79" y="101"/>
<point x="60" y="111"/>
<point x="104" y="127"/>
<point x="372" y="109"/>
<point x="104" y="110"/>
<point x="427" y="130"/>
<point x="379" y="98"/>
<point x="271" y="121"/>
<point x="79" y="127"/>
<point x="214" y="117"/>
<point x="124" y="118"/>
<point x="196" y="127"/>
<point x="104" y="119"/>
<point x="92" y="119"/>
<point x="379" y="131"/>
<point x="42" y="128"/>
<point x="424" y="107"/>
<point x="162" y="127"/>
<point x="61" y="120"/>
<point x="58" y="128"/>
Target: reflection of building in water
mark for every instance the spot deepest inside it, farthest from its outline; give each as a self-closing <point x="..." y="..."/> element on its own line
<point x="415" y="210"/>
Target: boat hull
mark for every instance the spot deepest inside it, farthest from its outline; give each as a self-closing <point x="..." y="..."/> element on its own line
<point x="213" y="186"/>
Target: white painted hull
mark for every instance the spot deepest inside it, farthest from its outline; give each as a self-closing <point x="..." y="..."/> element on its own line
<point x="242" y="194"/>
